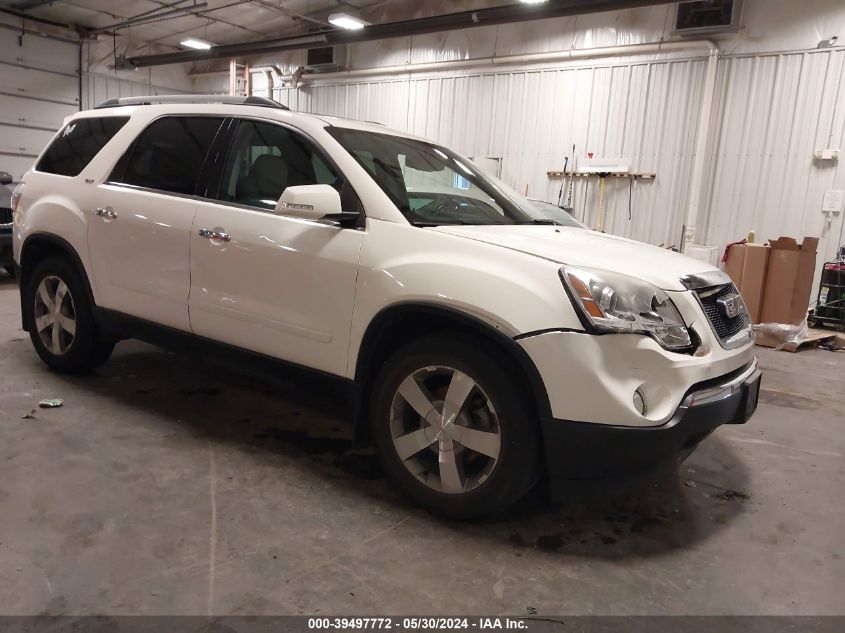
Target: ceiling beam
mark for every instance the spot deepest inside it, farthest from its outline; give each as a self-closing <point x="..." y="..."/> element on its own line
<point x="291" y="14"/>
<point x="36" y="19"/>
<point x="205" y="15"/>
<point x="26" y="5"/>
<point x="448" y="22"/>
<point x="149" y="18"/>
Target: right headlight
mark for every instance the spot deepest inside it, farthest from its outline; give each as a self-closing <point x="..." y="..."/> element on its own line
<point x="618" y="303"/>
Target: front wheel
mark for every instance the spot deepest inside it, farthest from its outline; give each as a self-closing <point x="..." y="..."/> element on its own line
<point x="453" y="430"/>
<point x="62" y="326"/>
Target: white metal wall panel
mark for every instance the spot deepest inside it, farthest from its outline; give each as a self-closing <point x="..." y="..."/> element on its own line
<point x="38" y="84"/>
<point x="38" y="89"/>
<point x="773" y="112"/>
<point x="643" y="111"/>
<point x="37" y="52"/>
<point x="98" y="87"/>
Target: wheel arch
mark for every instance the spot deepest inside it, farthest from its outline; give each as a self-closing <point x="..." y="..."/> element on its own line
<point x="37" y="247"/>
<point x="401" y="323"/>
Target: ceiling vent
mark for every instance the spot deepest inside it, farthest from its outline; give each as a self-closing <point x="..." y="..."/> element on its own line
<point x="708" y="17"/>
<point x="326" y="59"/>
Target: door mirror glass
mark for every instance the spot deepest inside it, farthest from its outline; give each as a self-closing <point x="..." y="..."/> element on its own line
<point x="5" y="178"/>
<point x="310" y="202"/>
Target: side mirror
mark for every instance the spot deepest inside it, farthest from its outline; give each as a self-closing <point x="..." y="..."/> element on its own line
<point x="320" y="203"/>
<point x="5" y="178"/>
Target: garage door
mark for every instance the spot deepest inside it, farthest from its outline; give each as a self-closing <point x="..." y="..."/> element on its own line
<point x="39" y="89"/>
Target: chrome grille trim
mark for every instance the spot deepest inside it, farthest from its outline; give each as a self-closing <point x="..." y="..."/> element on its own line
<point x="705" y="280"/>
<point x="730" y="332"/>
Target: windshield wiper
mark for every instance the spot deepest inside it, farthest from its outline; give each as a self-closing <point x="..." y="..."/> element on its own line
<point x="543" y="221"/>
<point x="425" y="223"/>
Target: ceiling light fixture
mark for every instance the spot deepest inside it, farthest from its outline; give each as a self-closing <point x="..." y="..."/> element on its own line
<point x="346" y="21"/>
<point x="532" y="1"/>
<point x="198" y="44"/>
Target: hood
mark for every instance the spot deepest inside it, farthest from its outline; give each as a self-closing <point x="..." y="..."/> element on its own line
<point x="580" y="247"/>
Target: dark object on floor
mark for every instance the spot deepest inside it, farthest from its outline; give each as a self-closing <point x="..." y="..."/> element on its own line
<point x="830" y="303"/>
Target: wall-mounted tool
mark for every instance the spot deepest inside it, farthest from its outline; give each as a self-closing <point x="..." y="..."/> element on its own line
<point x="602" y="206"/>
<point x="562" y="181"/>
<point x="568" y="206"/>
<point x="591" y="168"/>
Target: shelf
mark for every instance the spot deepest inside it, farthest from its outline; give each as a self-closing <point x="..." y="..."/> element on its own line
<point x="589" y="174"/>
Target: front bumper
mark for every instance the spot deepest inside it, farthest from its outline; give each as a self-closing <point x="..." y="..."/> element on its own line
<point x="602" y="454"/>
<point x="592" y="378"/>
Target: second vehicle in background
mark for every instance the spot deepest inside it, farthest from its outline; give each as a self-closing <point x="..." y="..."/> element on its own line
<point x="554" y="212"/>
<point x="6" y="261"/>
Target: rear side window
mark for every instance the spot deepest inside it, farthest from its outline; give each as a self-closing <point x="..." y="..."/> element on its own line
<point x="169" y="154"/>
<point x="77" y="144"/>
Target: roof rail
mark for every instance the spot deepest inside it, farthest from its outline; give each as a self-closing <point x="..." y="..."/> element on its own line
<point x="227" y="99"/>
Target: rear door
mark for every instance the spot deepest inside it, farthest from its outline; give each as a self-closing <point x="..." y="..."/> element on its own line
<point x="139" y="234"/>
<point x="280" y="286"/>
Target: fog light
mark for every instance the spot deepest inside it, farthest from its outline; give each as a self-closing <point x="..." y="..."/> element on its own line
<point x="639" y="402"/>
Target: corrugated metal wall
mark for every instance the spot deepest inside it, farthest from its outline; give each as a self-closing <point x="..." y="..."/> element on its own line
<point x="97" y="87"/>
<point x="770" y="113"/>
<point x="531" y="118"/>
<point x="774" y="111"/>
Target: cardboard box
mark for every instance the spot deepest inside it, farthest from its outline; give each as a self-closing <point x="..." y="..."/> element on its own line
<point x="790" y="280"/>
<point x="747" y="265"/>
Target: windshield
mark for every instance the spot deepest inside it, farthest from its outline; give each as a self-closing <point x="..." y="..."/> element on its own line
<point x="554" y="212"/>
<point x="432" y="185"/>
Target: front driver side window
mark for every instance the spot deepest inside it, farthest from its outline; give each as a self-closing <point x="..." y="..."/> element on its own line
<point x="265" y="159"/>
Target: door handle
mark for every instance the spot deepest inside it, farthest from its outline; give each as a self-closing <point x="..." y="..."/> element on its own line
<point x="215" y="235"/>
<point x="107" y="212"/>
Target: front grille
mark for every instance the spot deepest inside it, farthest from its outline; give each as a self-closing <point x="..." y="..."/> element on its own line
<point x="5" y="216"/>
<point x="724" y="327"/>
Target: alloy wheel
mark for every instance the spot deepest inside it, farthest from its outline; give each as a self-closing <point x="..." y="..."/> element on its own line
<point x="445" y="429"/>
<point x="55" y="315"/>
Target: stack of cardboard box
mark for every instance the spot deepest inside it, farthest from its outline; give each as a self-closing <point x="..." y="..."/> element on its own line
<point x="775" y="280"/>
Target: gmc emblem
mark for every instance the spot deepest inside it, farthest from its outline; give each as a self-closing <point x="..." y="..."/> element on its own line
<point x="730" y="305"/>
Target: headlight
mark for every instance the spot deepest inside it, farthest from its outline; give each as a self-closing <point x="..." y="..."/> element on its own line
<point x="617" y="303"/>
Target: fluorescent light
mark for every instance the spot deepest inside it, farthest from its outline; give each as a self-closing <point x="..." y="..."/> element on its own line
<point x="532" y="1"/>
<point x="346" y="21"/>
<point x="192" y="43"/>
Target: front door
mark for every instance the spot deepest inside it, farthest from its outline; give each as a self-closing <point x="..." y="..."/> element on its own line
<point x="141" y="219"/>
<point x="279" y="286"/>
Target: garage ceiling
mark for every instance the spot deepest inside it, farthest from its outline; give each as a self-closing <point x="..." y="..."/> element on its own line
<point x="168" y="22"/>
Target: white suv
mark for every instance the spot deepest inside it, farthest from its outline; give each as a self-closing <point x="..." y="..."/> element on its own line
<point x="483" y="345"/>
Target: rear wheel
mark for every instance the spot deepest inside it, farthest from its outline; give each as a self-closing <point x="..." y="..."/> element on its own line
<point x="453" y="431"/>
<point x="63" y="330"/>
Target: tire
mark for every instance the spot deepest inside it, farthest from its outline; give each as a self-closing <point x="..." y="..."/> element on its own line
<point x="77" y="347"/>
<point x="469" y="483"/>
<point x="10" y="270"/>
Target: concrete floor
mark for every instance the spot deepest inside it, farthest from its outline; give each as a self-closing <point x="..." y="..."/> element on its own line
<point x="164" y="486"/>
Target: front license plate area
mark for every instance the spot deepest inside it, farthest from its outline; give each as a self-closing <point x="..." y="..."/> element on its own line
<point x="750" y="398"/>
